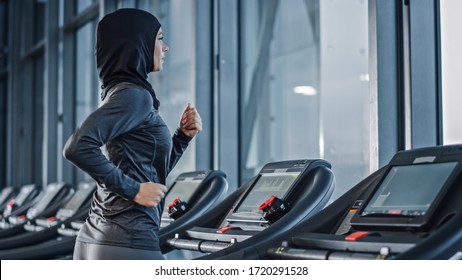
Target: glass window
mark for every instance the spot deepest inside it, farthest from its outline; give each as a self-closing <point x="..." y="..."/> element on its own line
<point x="60" y="111"/>
<point x="127" y="3"/>
<point x="83" y="4"/>
<point x="39" y="20"/>
<point x="305" y="86"/>
<point x="175" y="84"/>
<point x="87" y="91"/>
<point x="451" y="65"/>
<point x="3" y="88"/>
<point x="3" y="129"/>
<point x="38" y="120"/>
<point x="87" y="94"/>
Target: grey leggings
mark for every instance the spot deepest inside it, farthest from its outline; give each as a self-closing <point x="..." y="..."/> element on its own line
<point x="87" y="251"/>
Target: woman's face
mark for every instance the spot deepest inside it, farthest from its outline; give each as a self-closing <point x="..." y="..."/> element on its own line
<point x="160" y="49"/>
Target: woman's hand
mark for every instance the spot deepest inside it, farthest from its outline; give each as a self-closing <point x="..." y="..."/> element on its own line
<point x="150" y="194"/>
<point x="191" y="122"/>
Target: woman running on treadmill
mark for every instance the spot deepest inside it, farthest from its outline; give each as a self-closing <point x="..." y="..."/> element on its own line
<point x="124" y="218"/>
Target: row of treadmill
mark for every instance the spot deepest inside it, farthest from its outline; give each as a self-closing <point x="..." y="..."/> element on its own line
<point x="409" y="209"/>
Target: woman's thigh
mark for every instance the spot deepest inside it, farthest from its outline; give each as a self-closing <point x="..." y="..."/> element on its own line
<point x="87" y="251"/>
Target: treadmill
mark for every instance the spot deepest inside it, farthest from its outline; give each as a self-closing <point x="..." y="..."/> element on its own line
<point x="187" y="198"/>
<point x="46" y="204"/>
<point x="41" y="232"/>
<point x="282" y="195"/>
<point x="26" y="196"/>
<point x="410" y="209"/>
<point x="6" y="195"/>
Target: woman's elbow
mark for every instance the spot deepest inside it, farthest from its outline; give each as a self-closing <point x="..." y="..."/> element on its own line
<point x="70" y="151"/>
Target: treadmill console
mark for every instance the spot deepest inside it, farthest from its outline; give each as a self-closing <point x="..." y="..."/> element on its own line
<point x="262" y="205"/>
<point x="408" y="194"/>
<point x="177" y="197"/>
<point x="53" y="193"/>
<point x="25" y="195"/>
<point x="394" y="213"/>
<point x="273" y="182"/>
<point x="5" y="196"/>
<point x="81" y="197"/>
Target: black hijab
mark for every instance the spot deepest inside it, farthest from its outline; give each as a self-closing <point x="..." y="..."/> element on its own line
<point x="125" y="49"/>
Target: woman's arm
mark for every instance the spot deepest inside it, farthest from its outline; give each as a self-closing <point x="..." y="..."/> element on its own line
<point x="123" y="111"/>
<point x="190" y="125"/>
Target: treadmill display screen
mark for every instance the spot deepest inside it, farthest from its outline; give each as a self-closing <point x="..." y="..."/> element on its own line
<point x="78" y="199"/>
<point x="6" y="192"/>
<point x="409" y="190"/>
<point x="24" y="194"/>
<point x="182" y="189"/>
<point x="268" y="184"/>
<point x="50" y="194"/>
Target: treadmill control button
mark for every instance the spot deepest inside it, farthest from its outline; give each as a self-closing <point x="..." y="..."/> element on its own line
<point x="224" y="229"/>
<point x="11" y="203"/>
<point x="357" y="204"/>
<point x="267" y="203"/>
<point x="355" y="236"/>
<point x="10" y="207"/>
<point x="173" y="202"/>
<point x="273" y="209"/>
<point x="177" y="208"/>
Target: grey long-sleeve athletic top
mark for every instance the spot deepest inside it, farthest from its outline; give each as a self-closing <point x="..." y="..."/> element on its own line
<point x="140" y="149"/>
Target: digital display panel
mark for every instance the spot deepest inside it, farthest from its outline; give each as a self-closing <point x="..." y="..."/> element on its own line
<point x="182" y="189"/>
<point x="409" y="190"/>
<point x="50" y="193"/>
<point x="79" y="198"/>
<point x="24" y="194"/>
<point x="268" y="184"/>
<point x="6" y="192"/>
